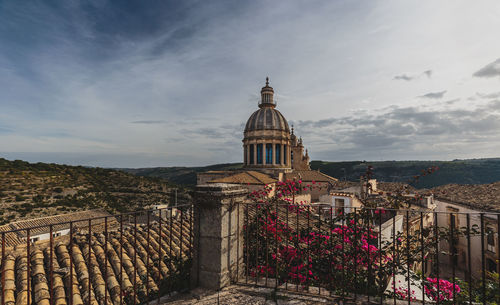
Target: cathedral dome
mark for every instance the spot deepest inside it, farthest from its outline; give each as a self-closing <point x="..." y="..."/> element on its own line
<point x="267" y="118"/>
<point x="266" y="141"/>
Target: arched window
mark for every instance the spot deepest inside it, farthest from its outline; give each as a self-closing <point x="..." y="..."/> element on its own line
<point x="278" y="154"/>
<point x="285" y="153"/>
<point x="251" y="154"/>
<point x="259" y="153"/>
<point x="269" y="153"/>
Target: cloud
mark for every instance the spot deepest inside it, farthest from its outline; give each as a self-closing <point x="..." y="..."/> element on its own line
<point x="404" y="133"/>
<point x="453" y="101"/>
<point x="404" y="77"/>
<point x="408" y="78"/>
<point x="149" y="122"/>
<point x="434" y="95"/>
<point x="490" y="70"/>
<point x="492" y="95"/>
<point x="120" y="77"/>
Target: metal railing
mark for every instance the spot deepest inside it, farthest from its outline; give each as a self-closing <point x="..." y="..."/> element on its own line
<point x="372" y="254"/>
<point x="129" y="258"/>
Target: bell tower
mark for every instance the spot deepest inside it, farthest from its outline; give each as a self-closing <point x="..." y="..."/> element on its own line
<point x="300" y="161"/>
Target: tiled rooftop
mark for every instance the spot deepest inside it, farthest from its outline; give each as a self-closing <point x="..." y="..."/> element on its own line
<point x="395" y="187"/>
<point x="247" y="177"/>
<point x="97" y="269"/>
<point x="59" y="222"/>
<point x="309" y="175"/>
<point x="484" y="197"/>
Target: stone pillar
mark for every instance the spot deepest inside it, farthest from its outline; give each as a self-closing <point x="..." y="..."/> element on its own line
<point x="282" y="160"/>
<point x="254" y="154"/>
<point x="288" y="157"/>
<point x="263" y="153"/>
<point x="273" y="154"/>
<point x="245" y="154"/>
<point x="218" y="235"/>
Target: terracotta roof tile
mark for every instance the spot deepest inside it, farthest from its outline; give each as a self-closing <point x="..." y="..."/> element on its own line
<point x="96" y="265"/>
<point x="395" y="187"/>
<point x="248" y="177"/>
<point x="42" y="225"/>
<point x="309" y="175"/>
<point x="483" y="197"/>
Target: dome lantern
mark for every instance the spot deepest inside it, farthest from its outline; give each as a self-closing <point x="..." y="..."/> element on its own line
<point x="267" y="96"/>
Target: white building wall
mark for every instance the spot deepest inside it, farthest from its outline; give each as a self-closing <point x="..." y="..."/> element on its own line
<point x="443" y="220"/>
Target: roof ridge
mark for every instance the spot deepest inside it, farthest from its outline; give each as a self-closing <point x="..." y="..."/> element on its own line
<point x="328" y="176"/>
<point x="250" y="173"/>
<point x="53" y="216"/>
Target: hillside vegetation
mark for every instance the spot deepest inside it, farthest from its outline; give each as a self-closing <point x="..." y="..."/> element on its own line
<point x="180" y="175"/>
<point x="38" y="189"/>
<point x="472" y="171"/>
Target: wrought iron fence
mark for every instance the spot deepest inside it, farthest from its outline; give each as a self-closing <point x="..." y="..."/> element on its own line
<point x="129" y="258"/>
<point x="374" y="254"/>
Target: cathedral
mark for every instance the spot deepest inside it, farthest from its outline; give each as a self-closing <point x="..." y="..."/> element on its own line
<point x="271" y="152"/>
<point x="268" y="144"/>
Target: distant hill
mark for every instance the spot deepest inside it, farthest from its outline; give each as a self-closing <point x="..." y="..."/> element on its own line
<point x="40" y="189"/>
<point x="470" y="171"/>
<point x="180" y="175"/>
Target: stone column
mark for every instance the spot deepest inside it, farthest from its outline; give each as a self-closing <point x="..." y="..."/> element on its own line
<point x="282" y="146"/>
<point x="245" y="154"/>
<point x="249" y="157"/>
<point x="273" y="149"/>
<point x="247" y="150"/>
<point x="254" y="153"/>
<point x="287" y="152"/>
<point x="218" y="235"/>
<point x="263" y="153"/>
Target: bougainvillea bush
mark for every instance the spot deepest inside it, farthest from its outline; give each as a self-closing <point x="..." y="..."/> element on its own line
<point x="292" y="242"/>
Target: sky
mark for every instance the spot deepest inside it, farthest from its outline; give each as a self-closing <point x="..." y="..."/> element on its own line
<point x="172" y="83"/>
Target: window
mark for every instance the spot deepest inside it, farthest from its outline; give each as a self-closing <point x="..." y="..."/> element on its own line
<point x="278" y="154"/>
<point x="490" y="238"/>
<point x="34" y="239"/>
<point x="492" y="267"/>
<point x="251" y="154"/>
<point x="453" y="219"/>
<point x="291" y="155"/>
<point x="339" y="206"/>
<point x="269" y="153"/>
<point x="259" y="153"/>
<point x="284" y="154"/>
<point x="453" y="223"/>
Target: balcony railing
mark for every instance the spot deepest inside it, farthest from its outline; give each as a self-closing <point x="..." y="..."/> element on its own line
<point x="344" y="253"/>
<point x="376" y="254"/>
<point x="129" y="258"/>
